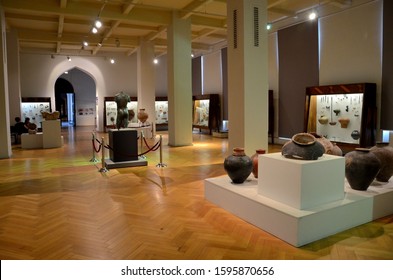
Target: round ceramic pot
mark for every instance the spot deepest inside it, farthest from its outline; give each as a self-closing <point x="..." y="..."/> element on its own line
<point x="323" y="120"/>
<point x="361" y="168"/>
<point x="254" y="159"/>
<point x="355" y="134"/>
<point x="384" y="153"/>
<point x="238" y="166"/>
<point x="303" y="146"/>
<point x="142" y="116"/>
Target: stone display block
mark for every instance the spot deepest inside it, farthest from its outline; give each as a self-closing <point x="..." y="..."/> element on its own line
<point x="301" y="184"/>
<point x="31" y="141"/>
<point x="52" y="134"/>
<point x="124" y="145"/>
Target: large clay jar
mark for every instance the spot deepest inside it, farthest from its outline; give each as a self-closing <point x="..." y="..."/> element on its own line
<point x="254" y="159"/>
<point x="384" y="153"/>
<point x="142" y="116"/>
<point x="361" y="167"/>
<point x="238" y="166"/>
<point x="323" y="120"/>
<point x="303" y="146"/>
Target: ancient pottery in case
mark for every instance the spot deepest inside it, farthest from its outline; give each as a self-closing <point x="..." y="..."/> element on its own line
<point x="384" y="153"/>
<point x="355" y="134"/>
<point x="303" y="146"/>
<point x="344" y="122"/>
<point x="361" y="167"/>
<point x="323" y="120"/>
<point x="238" y="166"/>
<point x="142" y="116"/>
<point x="254" y="159"/>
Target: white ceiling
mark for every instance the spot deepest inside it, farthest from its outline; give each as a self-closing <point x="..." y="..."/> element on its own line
<point x="60" y="26"/>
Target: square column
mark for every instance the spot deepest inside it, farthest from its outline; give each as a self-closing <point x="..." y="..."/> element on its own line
<point x="146" y="79"/>
<point x="247" y="75"/>
<point x="179" y="82"/>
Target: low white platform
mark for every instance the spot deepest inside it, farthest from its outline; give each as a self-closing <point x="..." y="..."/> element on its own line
<point x="295" y="226"/>
<point x="382" y="195"/>
<point x="31" y="141"/>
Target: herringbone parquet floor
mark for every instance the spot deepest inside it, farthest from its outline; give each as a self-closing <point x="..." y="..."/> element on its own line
<point x="55" y="204"/>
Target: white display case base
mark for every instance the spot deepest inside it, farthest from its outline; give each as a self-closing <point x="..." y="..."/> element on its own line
<point x="31" y="141"/>
<point x="296" y="227"/>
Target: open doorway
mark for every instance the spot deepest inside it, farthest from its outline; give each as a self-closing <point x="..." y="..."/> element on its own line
<point x="65" y="102"/>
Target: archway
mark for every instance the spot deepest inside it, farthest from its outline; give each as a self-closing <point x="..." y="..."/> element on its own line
<point x="65" y="101"/>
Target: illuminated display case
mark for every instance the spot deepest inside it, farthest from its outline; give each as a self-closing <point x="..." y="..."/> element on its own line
<point x="161" y="107"/>
<point x="344" y="114"/>
<point x="206" y="111"/>
<point x="32" y="108"/>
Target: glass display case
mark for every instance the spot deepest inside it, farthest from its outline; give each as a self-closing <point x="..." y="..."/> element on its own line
<point x="344" y="114"/>
<point x="32" y="108"/>
<point x="161" y="107"/>
<point x="110" y="111"/>
<point x="206" y="111"/>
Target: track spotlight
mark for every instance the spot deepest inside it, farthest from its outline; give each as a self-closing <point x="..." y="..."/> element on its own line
<point x="112" y="60"/>
<point x="98" y="23"/>
<point x="69" y="58"/>
<point x="94" y="30"/>
<point x="269" y="26"/>
<point x="85" y="44"/>
<point x="312" y="15"/>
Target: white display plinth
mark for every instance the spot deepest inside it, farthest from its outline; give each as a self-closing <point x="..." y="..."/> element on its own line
<point x="382" y="195"/>
<point x="31" y="141"/>
<point x="301" y="184"/>
<point x="52" y="134"/>
<point x="295" y="226"/>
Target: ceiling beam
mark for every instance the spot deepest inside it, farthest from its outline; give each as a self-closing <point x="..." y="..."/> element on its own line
<point x="187" y="11"/>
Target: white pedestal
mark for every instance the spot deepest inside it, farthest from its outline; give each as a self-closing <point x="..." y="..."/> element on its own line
<point x="295" y="226"/>
<point x="52" y="134"/>
<point x="301" y="184"/>
<point x="31" y="141"/>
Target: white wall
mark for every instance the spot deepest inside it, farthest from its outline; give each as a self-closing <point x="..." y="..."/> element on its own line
<point x="40" y="72"/>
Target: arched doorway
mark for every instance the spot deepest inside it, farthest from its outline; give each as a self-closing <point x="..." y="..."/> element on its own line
<point x="65" y="101"/>
<point x="75" y="98"/>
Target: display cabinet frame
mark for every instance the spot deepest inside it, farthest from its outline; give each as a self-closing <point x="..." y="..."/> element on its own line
<point x="32" y="108"/>
<point x="327" y="108"/>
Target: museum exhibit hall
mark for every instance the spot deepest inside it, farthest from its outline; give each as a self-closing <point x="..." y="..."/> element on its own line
<point x="196" y="130"/>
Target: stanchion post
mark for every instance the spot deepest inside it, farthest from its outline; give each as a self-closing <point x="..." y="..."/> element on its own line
<point x="103" y="167"/>
<point x="94" y="159"/>
<point x="161" y="164"/>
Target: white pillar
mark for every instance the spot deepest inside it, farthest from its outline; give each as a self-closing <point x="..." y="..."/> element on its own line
<point x="179" y="82"/>
<point x="13" y="64"/>
<point x="5" y="137"/>
<point x="146" y="79"/>
<point x="247" y="75"/>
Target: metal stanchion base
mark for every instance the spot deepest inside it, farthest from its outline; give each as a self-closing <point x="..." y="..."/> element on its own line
<point x="142" y="157"/>
<point x="94" y="159"/>
<point x="103" y="170"/>
<point x="161" y="165"/>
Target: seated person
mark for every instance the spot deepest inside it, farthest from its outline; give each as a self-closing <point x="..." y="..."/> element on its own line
<point x="20" y="126"/>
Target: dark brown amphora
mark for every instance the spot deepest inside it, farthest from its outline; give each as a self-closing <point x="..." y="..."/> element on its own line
<point x="384" y="153"/>
<point x="361" y="167"/>
<point x="238" y="166"/>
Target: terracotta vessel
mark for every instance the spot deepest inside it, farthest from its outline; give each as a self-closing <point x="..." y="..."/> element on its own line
<point x="384" y="153"/>
<point x="238" y="166"/>
<point x="303" y="146"/>
<point x="254" y="159"/>
<point x="142" y="116"/>
<point x="330" y="148"/>
<point x="344" y="122"/>
<point x="361" y="167"/>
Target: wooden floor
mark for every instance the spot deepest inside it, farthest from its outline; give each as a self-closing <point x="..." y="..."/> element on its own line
<point x="55" y="204"/>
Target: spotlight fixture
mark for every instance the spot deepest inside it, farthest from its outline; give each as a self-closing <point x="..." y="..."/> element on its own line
<point x="312" y="15"/>
<point x="98" y="23"/>
<point x="85" y="43"/>
<point x="117" y="43"/>
<point x="112" y="60"/>
<point x="155" y="61"/>
<point x="69" y="58"/>
<point x="94" y="30"/>
<point x="269" y="26"/>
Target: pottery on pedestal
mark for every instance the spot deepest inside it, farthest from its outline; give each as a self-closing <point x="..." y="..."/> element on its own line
<point x="142" y="116"/>
<point x="361" y="167"/>
<point x="384" y="153"/>
<point x="254" y="159"/>
<point x="238" y="166"/>
<point x="303" y="146"/>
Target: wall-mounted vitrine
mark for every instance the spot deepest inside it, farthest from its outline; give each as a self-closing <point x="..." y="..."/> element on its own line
<point x="161" y="107"/>
<point x="32" y="108"/>
<point x="110" y="111"/>
<point x="206" y="111"/>
<point x="345" y="114"/>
